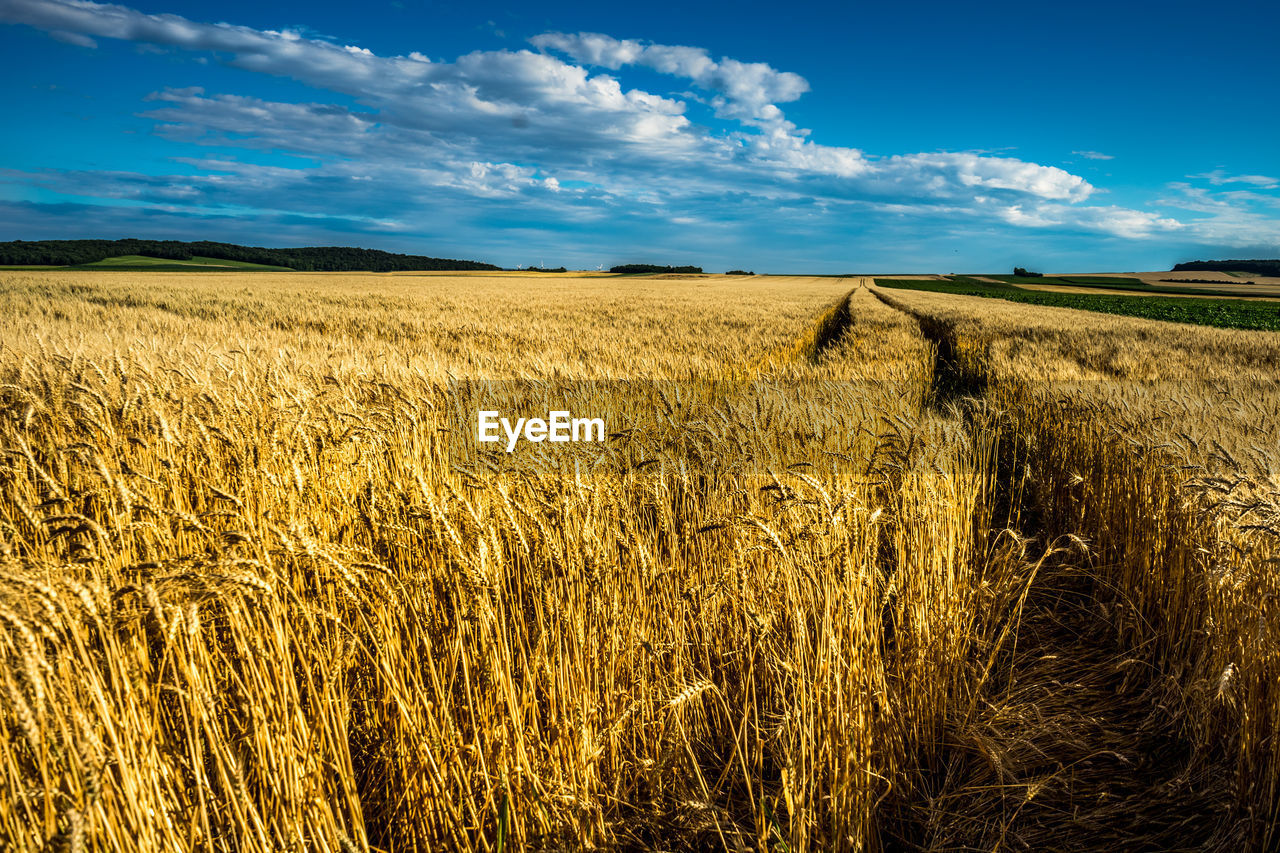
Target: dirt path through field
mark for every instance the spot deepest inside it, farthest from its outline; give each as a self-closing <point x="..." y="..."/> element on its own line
<point x="1077" y="747"/>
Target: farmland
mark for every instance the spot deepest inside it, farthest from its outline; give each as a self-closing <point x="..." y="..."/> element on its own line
<point x="1120" y="283"/>
<point x="1261" y="314"/>
<point x="131" y="263"/>
<point x="861" y="565"/>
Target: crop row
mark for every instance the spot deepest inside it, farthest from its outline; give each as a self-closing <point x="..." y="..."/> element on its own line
<point x="1221" y="313"/>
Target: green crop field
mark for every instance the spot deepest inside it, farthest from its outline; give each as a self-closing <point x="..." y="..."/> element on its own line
<point x="1077" y="280"/>
<point x="1222" y="313"/>
<point x="1120" y="284"/>
<point x="140" y="263"/>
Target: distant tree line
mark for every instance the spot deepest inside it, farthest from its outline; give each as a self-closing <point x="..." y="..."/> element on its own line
<point x="739" y="272"/>
<point x="1020" y="272"/>
<point x="1257" y="267"/>
<point x="311" y="258"/>
<point x="532" y="268"/>
<point x="644" y="268"/>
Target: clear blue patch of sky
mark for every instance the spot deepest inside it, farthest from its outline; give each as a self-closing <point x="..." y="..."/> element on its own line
<point x="82" y="108"/>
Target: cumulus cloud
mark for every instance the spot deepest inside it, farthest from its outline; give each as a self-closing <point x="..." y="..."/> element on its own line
<point x="495" y="106"/>
<point x="947" y="175"/>
<point x="744" y="90"/>
<point x="552" y="130"/>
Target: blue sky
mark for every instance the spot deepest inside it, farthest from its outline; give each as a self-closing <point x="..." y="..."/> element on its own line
<point x="777" y="137"/>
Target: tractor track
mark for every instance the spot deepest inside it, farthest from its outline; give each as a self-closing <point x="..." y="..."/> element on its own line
<point x="1076" y="748"/>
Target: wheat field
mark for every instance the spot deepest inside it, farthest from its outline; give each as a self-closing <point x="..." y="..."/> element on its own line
<point x="854" y="570"/>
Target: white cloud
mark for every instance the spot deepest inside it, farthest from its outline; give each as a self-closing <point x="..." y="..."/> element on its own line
<point x="1218" y="177"/>
<point x="1228" y="218"/>
<point x="1109" y="220"/>
<point x="565" y="135"/>
<point x="1093" y="155"/>
<point x="747" y="91"/>
<point x="78" y="39"/>
<point x="943" y="174"/>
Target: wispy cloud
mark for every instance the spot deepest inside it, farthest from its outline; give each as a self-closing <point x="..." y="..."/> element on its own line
<point x="1093" y="155"/>
<point x="1228" y="218"/>
<point x="1218" y="177"/>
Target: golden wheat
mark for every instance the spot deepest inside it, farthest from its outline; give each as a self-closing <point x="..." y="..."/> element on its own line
<point x="262" y="590"/>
